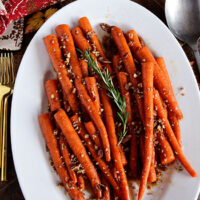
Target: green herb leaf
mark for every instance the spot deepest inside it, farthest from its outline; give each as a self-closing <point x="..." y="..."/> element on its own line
<point x="113" y="92"/>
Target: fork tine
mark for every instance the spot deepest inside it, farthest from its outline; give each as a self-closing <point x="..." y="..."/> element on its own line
<point x="1" y="64"/>
<point x="3" y="68"/>
<point x="8" y="68"/>
<point x="12" y="68"/>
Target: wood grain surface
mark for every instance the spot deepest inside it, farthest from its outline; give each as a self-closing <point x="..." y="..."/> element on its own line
<point x="10" y="190"/>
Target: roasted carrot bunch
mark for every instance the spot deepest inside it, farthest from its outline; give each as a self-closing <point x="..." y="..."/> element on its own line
<point x="108" y="121"/>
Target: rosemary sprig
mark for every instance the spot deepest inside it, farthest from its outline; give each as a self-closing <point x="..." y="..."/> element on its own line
<point x="113" y="92"/>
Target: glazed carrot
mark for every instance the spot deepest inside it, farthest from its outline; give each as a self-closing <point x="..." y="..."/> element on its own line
<point x="165" y="151"/>
<point x="124" y="52"/>
<point x="140" y="109"/>
<point x="66" y="156"/>
<point x="68" y="89"/>
<point x="123" y="84"/>
<point x="110" y="125"/>
<point x="123" y="156"/>
<point x="133" y="154"/>
<point x="164" y="107"/>
<point x="73" y="102"/>
<point x="92" y="89"/>
<point x="65" y="38"/>
<point x="175" y="126"/>
<point x="80" y="40"/>
<point x="53" y="49"/>
<point x="133" y="40"/>
<point x="170" y="134"/>
<point x="93" y="133"/>
<point x="152" y="173"/>
<point x="84" y="68"/>
<point x="147" y="81"/>
<point x="115" y="174"/>
<point x="129" y="64"/>
<point x="51" y="141"/>
<point x="81" y="182"/>
<point x="117" y="65"/>
<point x="141" y="41"/>
<point x="173" y="119"/>
<point x="94" y="115"/>
<point x="82" y="43"/>
<point x="97" y="156"/>
<point x="92" y="37"/>
<point x="160" y="81"/>
<point x="51" y="87"/>
<point x="161" y="63"/>
<point x="106" y="192"/>
<point x="78" y="149"/>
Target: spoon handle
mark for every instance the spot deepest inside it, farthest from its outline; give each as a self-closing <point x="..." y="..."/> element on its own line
<point x="196" y="53"/>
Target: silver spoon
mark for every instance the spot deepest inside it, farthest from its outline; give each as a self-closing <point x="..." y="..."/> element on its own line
<point x="183" y="19"/>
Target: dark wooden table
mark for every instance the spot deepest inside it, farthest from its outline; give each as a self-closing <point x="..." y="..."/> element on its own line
<point x="10" y="190"/>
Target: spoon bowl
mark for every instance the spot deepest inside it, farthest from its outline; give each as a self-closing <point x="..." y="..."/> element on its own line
<point x="183" y="19"/>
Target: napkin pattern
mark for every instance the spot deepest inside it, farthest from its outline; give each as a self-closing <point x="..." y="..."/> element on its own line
<point x="12" y="37"/>
<point x="11" y="10"/>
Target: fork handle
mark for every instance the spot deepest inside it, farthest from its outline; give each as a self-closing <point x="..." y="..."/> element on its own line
<point x="4" y="140"/>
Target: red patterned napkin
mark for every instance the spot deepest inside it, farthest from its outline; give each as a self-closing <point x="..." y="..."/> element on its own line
<point x="11" y="10"/>
<point x="12" y="37"/>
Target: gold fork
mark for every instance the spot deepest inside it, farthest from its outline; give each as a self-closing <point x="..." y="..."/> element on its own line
<point x="8" y="81"/>
<point x="3" y="91"/>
